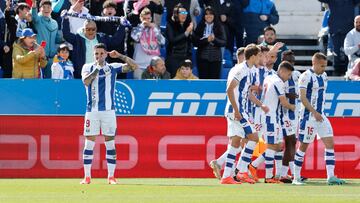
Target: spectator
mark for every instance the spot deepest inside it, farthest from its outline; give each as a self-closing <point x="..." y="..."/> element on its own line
<point x="148" y="39"/>
<point x="228" y="19"/>
<point x="258" y="15"/>
<point x="28" y="57"/>
<point x="355" y="72"/>
<point x="110" y="28"/>
<point x="84" y="41"/>
<point x="62" y="68"/>
<point x="16" y="20"/>
<point x="156" y="70"/>
<point x="352" y="43"/>
<point x="192" y="6"/>
<point x="154" y="6"/>
<point x="209" y="37"/>
<point x="270" y="40"/>
<point x="185" y="71"/>
<point x="178" y="33"/>
<point x="325" y="39"/>
<point x="47" y="30"/>
<point x="341" y="18"/>
<point x="77" y="6"/>
<point x="57" y="7"/>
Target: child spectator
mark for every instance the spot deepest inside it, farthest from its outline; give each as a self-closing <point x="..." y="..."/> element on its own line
<point x="185" y="71"/>
<point x="62" y="68"/>
<point x="148" y="39"/>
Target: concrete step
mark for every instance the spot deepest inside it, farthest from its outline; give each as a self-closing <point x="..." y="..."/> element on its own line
<point x="304" y="48"/>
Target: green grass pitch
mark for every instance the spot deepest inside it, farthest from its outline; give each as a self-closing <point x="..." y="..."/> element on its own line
<point x="173" y="190"/>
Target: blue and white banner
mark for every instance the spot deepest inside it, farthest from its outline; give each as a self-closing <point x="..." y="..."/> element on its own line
<point x="147" y="97"/>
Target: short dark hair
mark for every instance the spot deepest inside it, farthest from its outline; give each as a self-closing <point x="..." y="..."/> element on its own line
<point x="287" y="65"/>
<point x="45" y="2"/>
<point x="100" y="46"/>
<point x="269" y="28"/>
<point x="109" y="4"/>
<point x="240" y="51"/>
<point x="264" y="48"/>
<point x="288" y="55"/>
<point x="251" y="50"/>
<point x="21" y="6"/>
<point x="319" y="56"/>
<point x="186" y="63"/>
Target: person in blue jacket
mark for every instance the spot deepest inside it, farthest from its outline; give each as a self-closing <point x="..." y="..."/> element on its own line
<point x="258" y="15"/>
<point x="84" y="41"/>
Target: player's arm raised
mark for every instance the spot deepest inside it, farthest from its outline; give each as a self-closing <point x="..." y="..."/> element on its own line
<point x="230" y="93"/>
<point x="308" y="106"/>
<point x="130" y="63"/>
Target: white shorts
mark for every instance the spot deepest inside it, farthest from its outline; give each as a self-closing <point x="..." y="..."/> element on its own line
<point x="288" y="126"/>
<point x="239" y="128"/>
<point x="308" y="129"/>
<point x="272" y="131"/>
<point x="104" y="120"/>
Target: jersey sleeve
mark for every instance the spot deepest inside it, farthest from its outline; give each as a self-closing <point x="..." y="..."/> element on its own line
<point x="304" y="80"/>
<point x="239" y="76"/>
<point x="118" y="67"/>
<point x="85" y="71"/>
<point x="279" y="88"/>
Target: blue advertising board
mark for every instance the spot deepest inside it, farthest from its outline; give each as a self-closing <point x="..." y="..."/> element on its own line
<point x="147" y="97"/>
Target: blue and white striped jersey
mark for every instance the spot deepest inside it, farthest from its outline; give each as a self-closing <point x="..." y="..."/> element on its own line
<point x="291" y="86"/>
<point x="274" y="87"/>
<point x="242" y="74"/>
<point x="261" y="74"/>
<point x="100" y="93"/>
<point x="315" y="86"/>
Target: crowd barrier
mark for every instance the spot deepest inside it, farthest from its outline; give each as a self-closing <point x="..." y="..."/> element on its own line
<point x="165" y="129"/>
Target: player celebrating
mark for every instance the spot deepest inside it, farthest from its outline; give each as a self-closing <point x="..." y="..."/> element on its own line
<point x="99" y="79"/>
<point x="313" y="84"/>
<point x="216" y="164"/>
<point x="238" y="118"/>
<point x="289" y="120"/>
<point x="273" y="95"/>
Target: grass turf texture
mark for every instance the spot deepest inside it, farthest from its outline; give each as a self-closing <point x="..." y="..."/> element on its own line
<point x="173" y="190"/>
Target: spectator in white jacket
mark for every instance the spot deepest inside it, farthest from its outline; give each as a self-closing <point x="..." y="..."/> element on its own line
<point x="62" y="68"/>
<point x="352" y="43"/>
<point x="148" y="39"/>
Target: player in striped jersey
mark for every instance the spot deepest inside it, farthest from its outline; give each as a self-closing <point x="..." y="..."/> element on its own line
<point x="313" y="84"/>
<point x="274" y="98"/>
<point x="237" y="115"/>
<point x="217" y="164"/>
<point x="289" y="120"/>
<point x="99" y="80"/>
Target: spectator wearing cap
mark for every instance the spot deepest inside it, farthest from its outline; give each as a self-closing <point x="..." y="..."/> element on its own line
<point x="156" y="70"/>
<point x="270" y="40"/>
<point x="28" y="57"/>
<point x="209" y="37"/>
<point x="47" y="30"/>
<point x="185" y="71"/>
<point x="258" y="15"/>
<point x="148" y="39"/>
<point x="84" y="41"/>
<point x="179" y="35"/>
<point x="62" y="68"/>
<point x="77" y="6"/>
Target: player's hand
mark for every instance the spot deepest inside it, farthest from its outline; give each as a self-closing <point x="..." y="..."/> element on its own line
<point x="318" y="117"/>
<point x="264" y="17"/>
<point x="278" y="45"/>
<point x="292" y="95"/>
<point x="265" y="108"/>
<point x="114" y="54"/>
<point x="237" y="116"/>
<point x="292" y="107"/>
